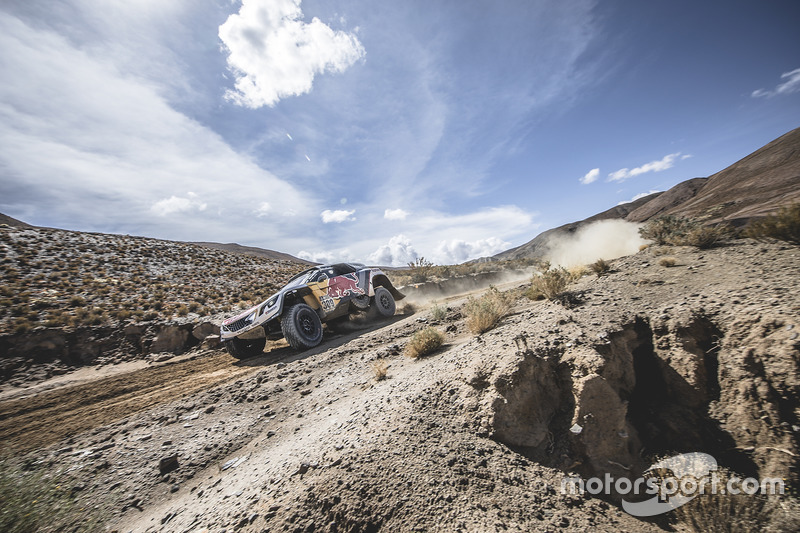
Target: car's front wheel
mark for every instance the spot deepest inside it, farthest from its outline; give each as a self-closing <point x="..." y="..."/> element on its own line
<point x="384" y="302"/>
<point x="301" y="327"/>
<point x="243" y="348"/>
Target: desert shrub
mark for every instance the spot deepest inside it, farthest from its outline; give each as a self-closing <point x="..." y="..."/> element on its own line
<point x="380" y="368"/>
<point x="784" y="226"/>
<point x="726" y="512"/>
<point x="485" y="312"/>
<point x="668" y="262"/>
<point x="680" y="231"/>
<point x="423" y="342"/>
<point x="438" y="312"/>
<point x="420" y="270"/>
<point x="182" y="310"/>
<point x="34" y="501"/>
<point x="577" y="272"/>
<point x="22" y="325"/>
<point x="667" y="229"/>
<point x="600" y="267"/>
<point x="77" y="301"/>
<point x="704" y="237"/>
<point x="549" y="284"/>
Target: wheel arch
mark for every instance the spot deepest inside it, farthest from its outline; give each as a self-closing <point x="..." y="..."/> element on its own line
<point x="382" y="280"/>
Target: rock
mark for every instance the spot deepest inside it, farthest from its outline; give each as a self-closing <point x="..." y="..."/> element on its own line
<point x="168" y="464"/>
<point x="212" y="342"/>
<point x="204" y="329"/>
<point x="169" y="339"/>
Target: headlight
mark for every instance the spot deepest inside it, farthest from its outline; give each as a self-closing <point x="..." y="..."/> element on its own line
<point x="271" y="301"/>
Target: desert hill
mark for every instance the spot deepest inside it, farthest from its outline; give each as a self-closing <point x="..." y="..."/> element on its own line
<point x="13" y="222"/>
<point x="753" y="187"/>
<point x="253" y="251"/>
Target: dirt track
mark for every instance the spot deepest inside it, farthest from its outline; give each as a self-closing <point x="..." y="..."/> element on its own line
<point x="45" y="418"/>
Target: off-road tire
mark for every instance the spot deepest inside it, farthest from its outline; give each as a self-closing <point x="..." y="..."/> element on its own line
<point x="384" y="302"/>
<point x="301" y="327"/>
<point x="244" y="348"/>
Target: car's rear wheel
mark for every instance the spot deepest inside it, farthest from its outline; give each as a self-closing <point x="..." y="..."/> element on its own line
<point x="384" y="302"/>
<point x="301" y="327"/>
<point x="243" y="348"/>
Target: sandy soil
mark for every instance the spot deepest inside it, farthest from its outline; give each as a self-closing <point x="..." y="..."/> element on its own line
<point x="313" y="442"/>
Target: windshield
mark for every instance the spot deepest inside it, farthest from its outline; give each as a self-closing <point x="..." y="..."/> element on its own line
<point x="300" y="278"/>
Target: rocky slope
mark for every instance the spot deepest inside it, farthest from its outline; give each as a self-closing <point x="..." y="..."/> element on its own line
<point x="69" y="299"/>
<point x="648" y="360"/>
<point x="753" y="187"/>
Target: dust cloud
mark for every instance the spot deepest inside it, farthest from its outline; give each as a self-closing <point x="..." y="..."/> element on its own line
<point x="604" y="239"/>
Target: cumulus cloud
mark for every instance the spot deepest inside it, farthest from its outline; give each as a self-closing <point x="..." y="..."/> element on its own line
<point x="639" y="196"/>
<point x="395" y="214"/>
<point x="590" y="176"/>
<point x="176" y="204"/>
<point x="397" y="252"/>
<point x="791" y="85"/>
<point x="263" y="209"/>
<point x="77" y="132"/>
<point x="324" y="256"/>
<point x="668" y="161"/>
<point x="273" y="53"/>
<point x="458" y="251"/>
<point x="338" y="216"/>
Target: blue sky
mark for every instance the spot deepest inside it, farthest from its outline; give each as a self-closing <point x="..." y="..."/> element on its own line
<point x="377" y="131"/>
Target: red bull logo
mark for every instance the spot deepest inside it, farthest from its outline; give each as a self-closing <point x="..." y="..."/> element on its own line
<point x="346" y="285"/>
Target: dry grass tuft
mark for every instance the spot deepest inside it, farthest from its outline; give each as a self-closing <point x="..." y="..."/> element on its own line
<point x="577" y="272"/>
<point x="380" y="368"/>
<point x="668" y="262"/>
<point x="438" y="312"/>
<point x="485" y="312"/>
<point x="600" y="267"/>
<point x="423" y="342"/>
<point x="549" y="284"/>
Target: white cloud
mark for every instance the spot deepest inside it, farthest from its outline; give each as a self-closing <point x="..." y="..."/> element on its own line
<point x="639" y="196"/>
<point x="75" y="131"/>
<point x="459" y="251"/>
<point x="324" y="256"/>
<point x="274" y="54"/>
<point x="791" y="85"/>
<point x="668" y="161"/>
<point x="176" y="204"/>
<point x="263" y="209"/>
<point x="398" y="252"/>
<point x="591" y="176"/>
<point x="395" y="214"/>
<point x="338" y="216"/>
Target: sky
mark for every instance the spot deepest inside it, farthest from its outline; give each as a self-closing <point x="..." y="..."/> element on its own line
<point x="375" y="131"/>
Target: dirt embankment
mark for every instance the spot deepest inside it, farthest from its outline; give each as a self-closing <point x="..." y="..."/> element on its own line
<point x="648" y="360"/>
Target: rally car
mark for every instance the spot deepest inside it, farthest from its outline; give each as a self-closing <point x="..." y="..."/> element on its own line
<point x="297" y="311"/>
